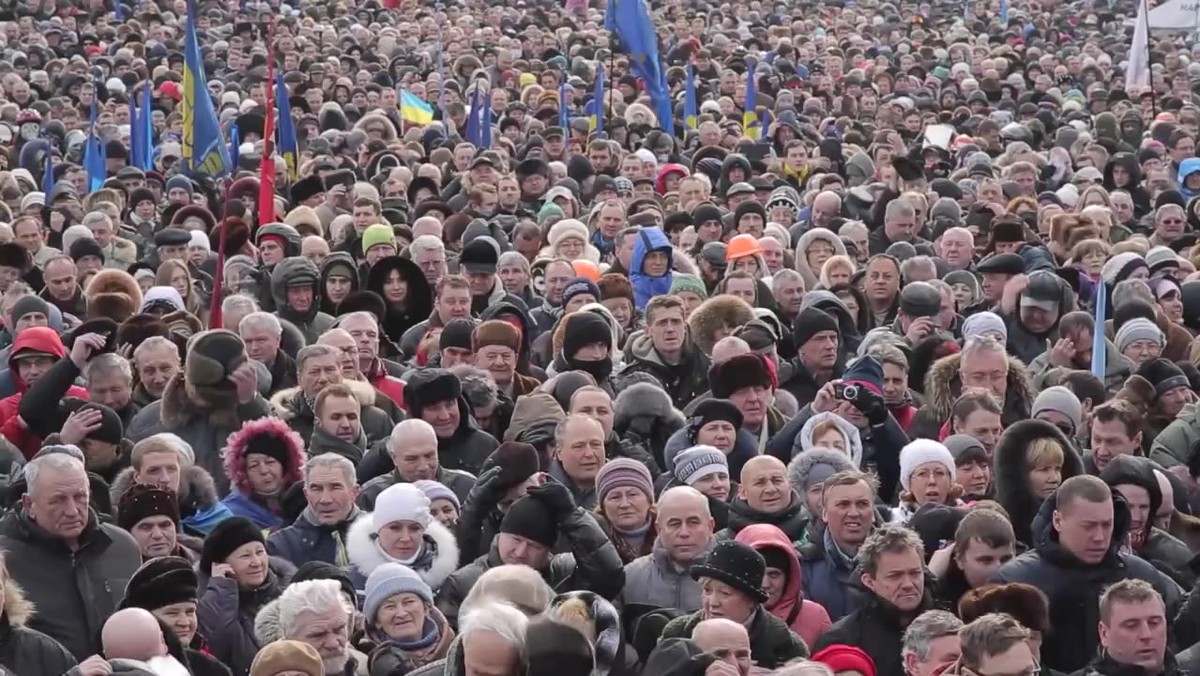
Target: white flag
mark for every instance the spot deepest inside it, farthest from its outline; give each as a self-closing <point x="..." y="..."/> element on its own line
<point x="1137" y="72"/>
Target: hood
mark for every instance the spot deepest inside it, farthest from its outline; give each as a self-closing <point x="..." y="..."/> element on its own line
<point x="1129" y="162"/>
<point x="721" y="314"/>
<point x="1011" y="477"/>
<point x="942" y="385"/>
<point x="806" y="240"/>
<point x="652" y="239"/>
<point x="511" y="306"/>
<point x="1138" y="471"/>
<point x="196" y="487"/>
<point x="641" y="348"/>
<point x="733" y="160"/>
<point x="419" y="301"/>
<point x="828" y="302"/>
<point x="290" y="272"/>
<point x="235" y="451"/>
<point x="338" y="259"/>
<point x="762" y="536"/>
<point x="434" y="565"/>
<point x="533" y="409"/>
<point x="41" y="339"/>
<point x="645" y="400"/>
<point x="803" y="463"/>
<point x="1045" y="538"/>
<point x="1186" y="168"/>
<point x="853" y="440"/>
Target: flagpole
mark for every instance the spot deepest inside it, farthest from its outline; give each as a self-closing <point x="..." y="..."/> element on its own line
<point x="214" y="304"/>
<point x="1150" y="68"/>
<point x="611" y="75"/>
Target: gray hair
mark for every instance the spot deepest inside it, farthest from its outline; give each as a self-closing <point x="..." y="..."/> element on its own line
<point x="1131" y="289"/>
<point x="239" y="304"/>
<point x="64" y="458"/>
<point x="901" y="208"/>
<point x="318" y="597"/>
<point x="427" y="243"/>
<point x="154" y="343"/>
<point x="520" y="586"/>
<point x="478" y="386"/>
<point x="887" y="353"/>
<point x="334" y="461"/>
<point x="260" y="321"/>
<point x="912" y="265"/>
<point x="309" y="351"/>
<point x="927" y="628"/>
<point x="849" y="229"/>
<point x="984" y="343"/>
<point x="783" y="276"/>
<point x="108" y="364"/>
<point x="510" y="257"/>
<point x="494" y="617"/>
<point x="355" y="316"/>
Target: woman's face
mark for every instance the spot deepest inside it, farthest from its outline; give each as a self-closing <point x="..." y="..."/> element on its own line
<point x="401" y="539"/>
<point x="264" y="473"/>
<point x="249" y="563"/>
<point x="181" y="618"/>
<point x="626" y="507"/>
<point x="742" y="288"/>
<point x="930" y="483"/>
<point x="1093" y="262"/>
<point x="337" y="288"/>
<point x="1045" y="478"/>
<point x="1172" y="306"/>
<point x="445" y="512"/>
<point x="839" y="274"/>
<point x="818" y="252"/>
<point x="402" y="617"/>
<point x="748" y="264"/>
<point x="691" y="301"/>
<point x="1142" y="351"/>
<point x="830" y="438"/>
<point x="571" y="248"/>
<point x="849" y="301"/>
<point x="774" y="581"/>
<point x="715" y="486"/>
<point x="395" y="288"/>
<point x="621" y="309"/>
<point x="180" y="282"/>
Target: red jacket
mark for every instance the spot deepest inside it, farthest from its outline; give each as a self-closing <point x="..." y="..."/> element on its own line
<point x="392" y="387"/>
<point x="904" y="415"/>
<point x="808" y="619"/>
<point x="39" y="339"/>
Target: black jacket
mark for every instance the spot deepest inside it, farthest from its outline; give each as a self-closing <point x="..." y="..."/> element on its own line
<point x="25" y="651"/>
<point x="792" y="520"/>
<point x="878" y="628"/>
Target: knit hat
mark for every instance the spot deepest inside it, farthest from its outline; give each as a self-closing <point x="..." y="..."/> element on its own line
<point x="529" y="518"/>
<point x="841" y="657"/>
<point x="552" y="648"/>
<point x="712" y="410"/>
<point x="457" y="333"/>
<point x="578" y="286"/>
<point x="966" y="278"/>
<point x="480" y="255"/>
<point x="748" y="207"/>
<point x="287" y="656"/>
<point x="1163" y="374"/>
<point x="86" y="246"/>
<point x="401" y="502"/>
<point x="865" y="371"/>
<point x="28" y="305"/>
<point x="583" y="329"/>
<point x="697" y="462"/>
<point x="144" y="500"/>
<point x="1161" y="258"/>
<point x="388" y="580"/>
<point x="739" y="372"/>
<point x="1135" y="330"/>
<point x="921" y="451"/>
<point x="965" y="448"/>
<point x="984" y="322"/>
<point x="110" y="431"/>
<point x="622" y="473"/>
<point x="737" y="565"/>
<point x="161" y="581"/>
<point x="1062" y="400"/>
<point x="496" y="332"/>
<point x="564" y="229"/>
<point x="517" y="462"/>
<point x="436" y="490"/>
<point x="1119" y="267"/>
<point x="809" y="323"/>
<point x="377" y="234"/>
<point x="681" y="282"/>
<point x="226" y="538"/>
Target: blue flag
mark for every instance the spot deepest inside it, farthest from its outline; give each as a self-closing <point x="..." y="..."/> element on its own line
<point x="596" y="123"/>
<point x="441" y="76"/>
<point x="204" y="151"/>
<point x="135" y="138"/>
<point x="288" y="146"/>
<point x="235" y="140"/>
<point x="1003" y="12"/>
<point x="95" y="160"/>
<point x="119" y="11"/>
<point x="564" y="117"/>
<point x="691" y="111"/>
<point x="751" y="126"/>
<point x="630" y="21"/>
<point x="485" y="121"/>
<point x="474" y="134"/>
<point x="142" y="133"/>
<point x="48" y="175"/>
<point x="1099" y="345"/>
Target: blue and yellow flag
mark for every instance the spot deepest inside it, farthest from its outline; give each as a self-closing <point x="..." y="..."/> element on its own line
<point x="414" y="110"/>
<point x="750" y="125"/>
<point x="95" y="155"/>
<point x="690" y="110"/>
<point x="630" y="21"/>
<point x="474" y="134"/>
<point x="204" y="151"/>
<point x="287" y="145"/>
<point x="141" y="132"/>
<point x="596" y="121"/>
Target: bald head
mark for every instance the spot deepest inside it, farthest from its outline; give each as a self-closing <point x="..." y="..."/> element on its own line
<point x="764" y="485"/>
<point x="133" y="634"/>
<point x="760" y="464"/>
<point x="412" y="433"/>
<point x="682" y="499"/>
<point x="729" y="346"/>
<point x="725" y="640"/>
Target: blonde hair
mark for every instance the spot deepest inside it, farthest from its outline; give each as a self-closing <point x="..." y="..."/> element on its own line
<point x="829" y="265"/>
<point x="1044" y="452"/>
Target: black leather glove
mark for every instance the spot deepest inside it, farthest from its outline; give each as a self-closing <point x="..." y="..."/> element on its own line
<point x="487" y="490"/>
<point x="872" y="406"/>
<point x="556" y="497"/>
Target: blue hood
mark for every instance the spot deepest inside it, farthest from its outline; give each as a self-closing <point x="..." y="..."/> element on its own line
<point x="646" y="287"/>
<point x="1187" y="167"/>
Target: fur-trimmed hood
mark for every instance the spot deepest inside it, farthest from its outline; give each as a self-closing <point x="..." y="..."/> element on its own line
<point x="800" y="465"/>
<point x="235" y="451"/>
<point x="438" y="560"/>
<point x="18" y="610"/>
<point x="719" y="313"/>
<point x="284" y="402"/>
<point x="1012" y="471"/>
<point x="943" y="386"/>
<point x="196" y="487"/>
<point x="804" y="440"/>
<point x="645" y="400"/>
<point x="376" y="118"/>
<point x="806" y="240"/>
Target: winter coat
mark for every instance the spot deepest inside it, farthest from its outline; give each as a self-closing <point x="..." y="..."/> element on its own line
<point x="807" y="619"/>
<point x="200" y="424"/>
<point x="200" y="510"/>
<point x="437" y="560"/>
<point x="646" y="287"/>
<point x="74" y="592"/>
<point x="654" y="580"/>
<point x="591" y="565"/>
<point x="389" y="660"/>
<point x="292" y="407"/>
<point x="792" y="520"/>
<point x="45" y="340"/>
<point x="468" y="447"/>
<point x="308" y="540"/>
<point x="226" y="614"/>
<point x="585" y="496"/>
<point x="1073" y="588"/>
<point x="240" y="503"/>
<point x="798" y="381"/>
<point x="283" y="372"/>
<point x="323" y="442"/>
<point x="878" y="628"/>
<point x="683" y="381"/>
<point x="827" y="576"/>
<point x="24" y="650"/>
<point x="1103" y="664"/>
<point x="1175" y="444"/>
<point x="645" y="418"/>
<point x="942" y="388"/>
<point x="313" y="322"/>
<point x="1117" y="368"/>
<point x="460" y="483"/>
<point x="772" y="643"/>
<point x="1011" y="479"/>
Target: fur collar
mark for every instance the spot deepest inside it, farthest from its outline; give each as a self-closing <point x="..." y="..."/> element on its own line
<point x="1012" y="472"/>
<point x="942" y="386"/>
<point x="17" y="609"/>
<point x="285" y="403"/>
<point x="434" y="566"/>
<point x="196" y="487"/>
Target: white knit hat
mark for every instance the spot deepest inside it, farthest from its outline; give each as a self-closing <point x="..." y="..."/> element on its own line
<point x="919" y="452"/>
<point x="401" y="502"/>
<point x="984" y="322"/>
<point x="568" y="227"/>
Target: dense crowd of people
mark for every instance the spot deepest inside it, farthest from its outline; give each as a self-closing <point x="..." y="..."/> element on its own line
<point x="879" y="358"/>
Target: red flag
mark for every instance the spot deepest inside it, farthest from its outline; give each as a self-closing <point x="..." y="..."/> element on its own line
<point x="266" y="177"/>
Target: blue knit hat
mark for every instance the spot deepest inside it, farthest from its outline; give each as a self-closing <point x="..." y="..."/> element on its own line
<point x="388" y="580"/>
<point x="577" y="286"/>
<point x="865" y="371"/>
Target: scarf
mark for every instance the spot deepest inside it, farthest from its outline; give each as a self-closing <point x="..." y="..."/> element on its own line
<point x="406" y="562"/>
<point x="634" y="537"/>
<point x="430" y="634"/>
<point x="336" y="531"/>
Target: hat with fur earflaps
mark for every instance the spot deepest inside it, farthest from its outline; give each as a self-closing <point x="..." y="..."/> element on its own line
<point x="114" y="294"/>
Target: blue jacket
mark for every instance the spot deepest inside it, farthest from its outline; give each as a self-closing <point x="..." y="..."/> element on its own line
<point x="827" y="577"/>
<point x="1189" y="166"/>
<point x="646" y="287"/>
<point x="243" y="505"/>
<point x="306" y="540"/>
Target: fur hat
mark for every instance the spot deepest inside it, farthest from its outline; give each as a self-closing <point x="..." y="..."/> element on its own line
<point x="496" y="332"/>
<point x="212" y="358"/>
<point x="719" y="313"/>
<point x="160" y="582"/>
<point x="225" y="540"/>
<point x="114" y="294"/>
<point x="738" y="372"/>
<point x="429" y="386"/>
<point x="13" y="255"/>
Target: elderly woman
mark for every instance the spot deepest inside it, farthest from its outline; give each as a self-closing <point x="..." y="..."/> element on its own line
<point x="568" y="239"/>
<point x="816" y="247"/>
<point x="444" y="505"/>
<point x="1140" y="340"/>
<point x="238" y="579"/>
<point x="836" y="271"/>
<point x="926" y="476"/>
<point x="407" y="629"/>
<point x="716" y="423"/>
<point x="401" y="530"/>
<point x="625" y="494"/>
<point x="167" y="586"/>
<point x="262" y="459"/>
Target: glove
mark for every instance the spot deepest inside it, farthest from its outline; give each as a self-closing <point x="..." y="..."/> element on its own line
<point x="487" y="490"/>
<point x="872" y="406"/>
<point x="556" y="497"/>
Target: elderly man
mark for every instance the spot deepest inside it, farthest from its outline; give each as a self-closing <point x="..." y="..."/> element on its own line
<point x="727" y="641"/>
<point x="931" y="643"/>
<point x="747" y="381"/>
<point x="67" y="562"/>
<point x="318" y="534"/>
<point x="596" y="403"/>
<point x="413" y="451"/>
<point x="578" y="456"/>
<point x="319" y="366"/>
<point x="492" y="638"/>
<point x="313" y="612"/>
<point x="262" y="333"/>
<point x="108" y="379"/>
<point x="62" y="286"/>
<point x="685" y="536"/>
<point x="384" y="375"/>
<point x="156" y="361"/>
<point x="957" y="248"/>
<point x="435" y="396"/>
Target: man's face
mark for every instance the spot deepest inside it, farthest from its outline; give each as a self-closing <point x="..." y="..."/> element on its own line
<point x="979" y="561"/>
<point x="765" y="487"/>
<point x="557" y="277"/>
<point x="1110" y="438"/>
<point x="730" y="645"/>
<point x="261" y="345"/>
<point x="752" y="402"/>
<point x="1137" y="500"/>
<point x="684" y="528"/>
<point x="667" y="331"/>
<point x="883" y="280"/>
<point x="340" y="416"/>
<point x="1136" y="634"/>
<point x="271" y="252"/>
<point x="156" y="368"/>
<point x="1085" y="528"/>
<point x="319" y="371"/>
<point x="988" y="370"/>
<point x="595" y="405"/>
<point x="329" y="633"/>
<point x="580" y="450"/>
<point x="899" y="579"/>
<point x="417" y="459"/>
<point x="113" y="390"/>
<point x="29" y="235"/>
<point x="32" y="368"/>
<point x="819" y="353"/>
<point x="520" y="551"/>
<point x="300" y="298"/>
<point x="487" y="654"/>
<point x="365" y="333"/>
<point x="454" y="303"/>
<point x="847" y="513"/>
<point x="159" y="469"/>
<point x="155" y="536"/>
<point x="330" y="494"/>
<point x="943" y="650"/>
<point x="60" y="280"/>
<point x="61" y="503"/>
<point x="444" y="416"/>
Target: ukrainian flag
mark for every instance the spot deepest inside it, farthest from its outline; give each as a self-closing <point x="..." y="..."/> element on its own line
<point x="204" y="151"/>
<point x="414" y="110"/>
<point x="596" y="119"/>
<point x="286" y="129"/>
<point x="690" y="111"/>
<point x="750" y="126"/>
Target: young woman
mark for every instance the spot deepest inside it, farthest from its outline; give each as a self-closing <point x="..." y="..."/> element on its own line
<point x="401" y="530"/>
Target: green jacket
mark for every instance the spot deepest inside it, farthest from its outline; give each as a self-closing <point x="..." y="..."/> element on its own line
<point x="1174" y="445"/>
